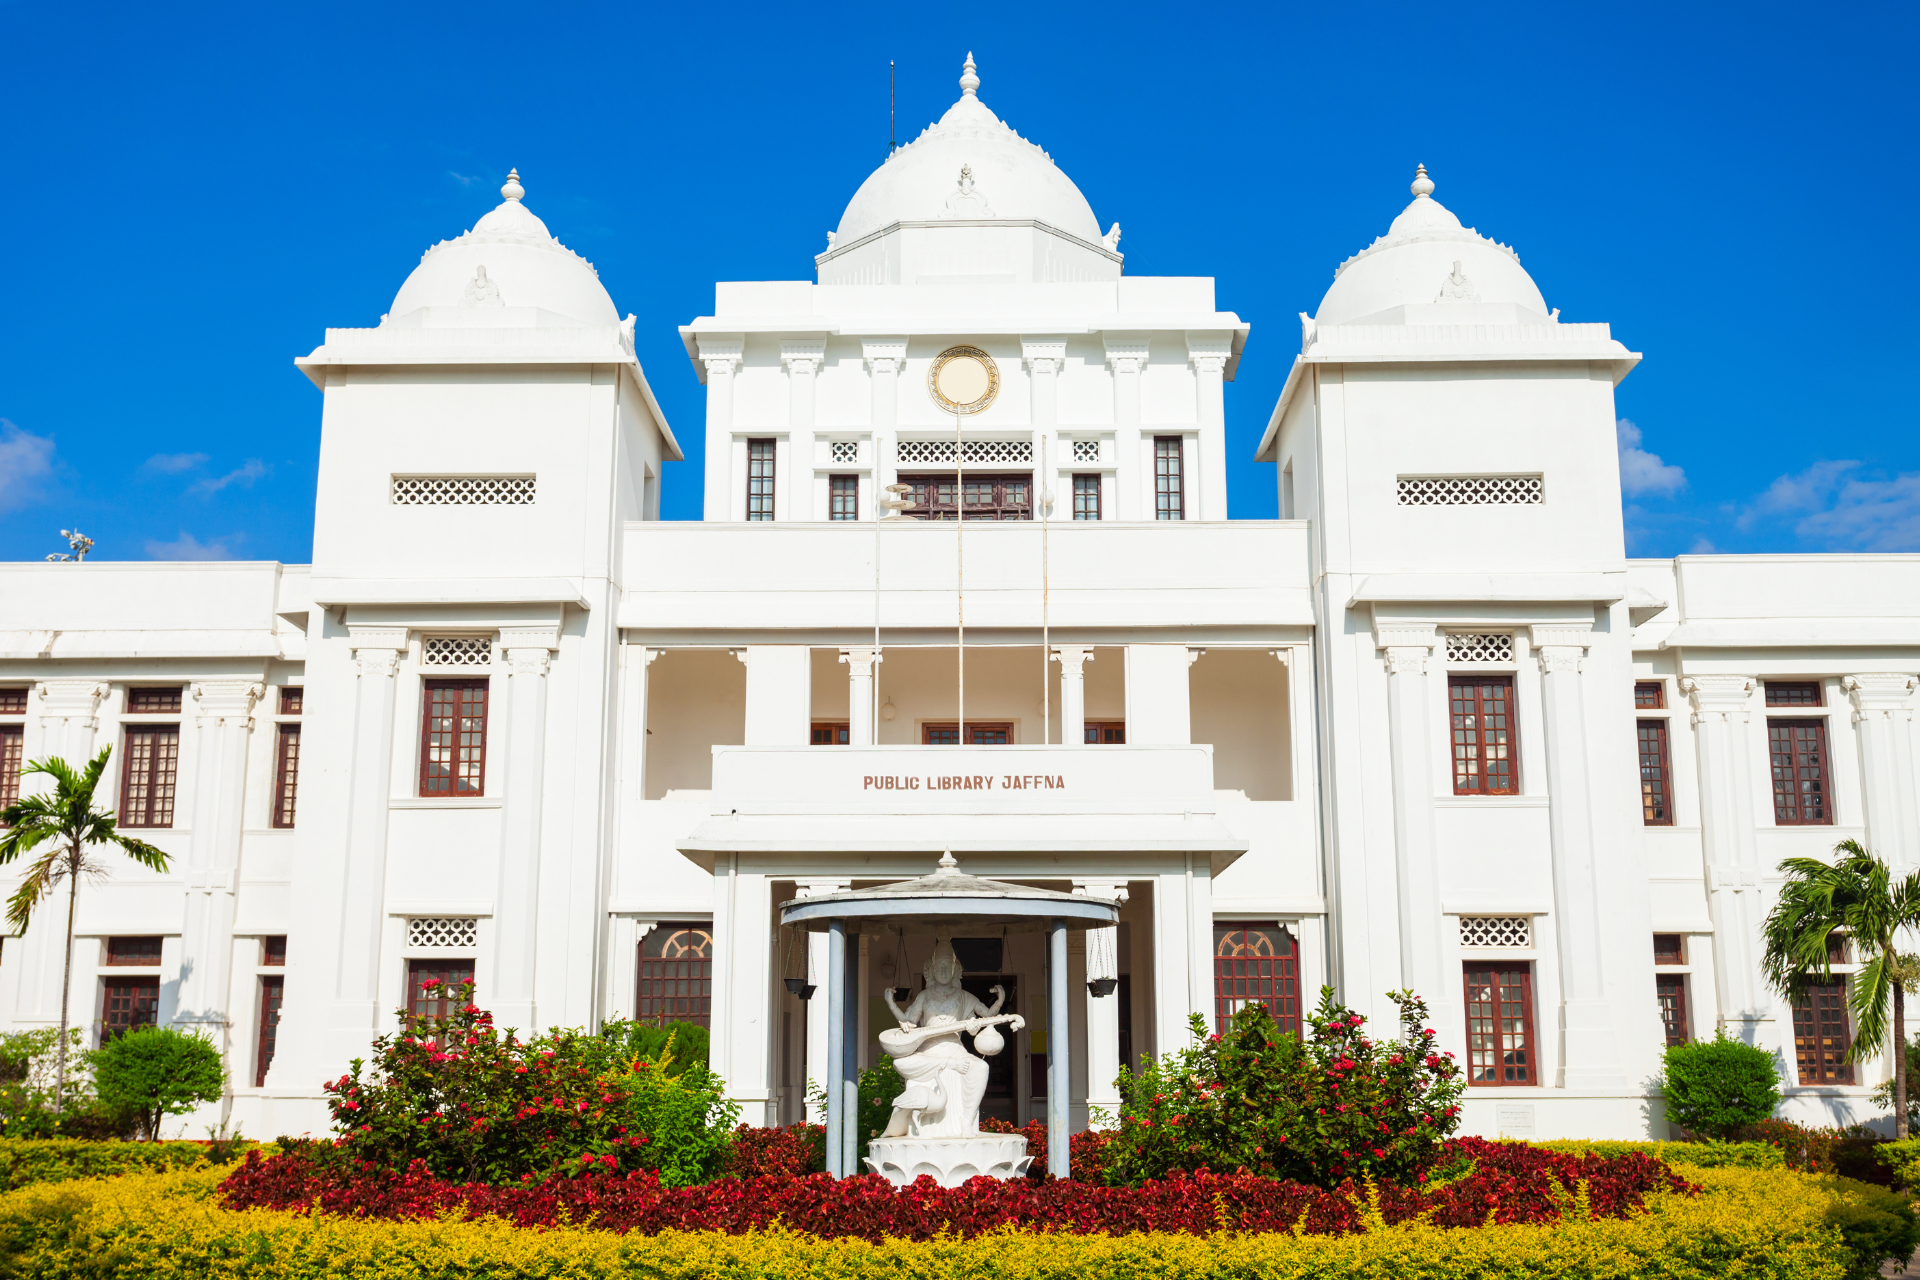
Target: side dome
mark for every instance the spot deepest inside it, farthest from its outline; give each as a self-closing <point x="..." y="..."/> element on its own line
<point x="1006" y="177"/>
<point x="509" y="259"/>
<point x="1427" y="257"/>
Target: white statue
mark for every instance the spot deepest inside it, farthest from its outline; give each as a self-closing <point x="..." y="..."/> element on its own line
<point x="935" y="1128"/>
<point x="945" y="1082"/>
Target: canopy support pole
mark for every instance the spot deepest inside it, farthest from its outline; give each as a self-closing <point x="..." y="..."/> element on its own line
<point x="836" y="1041"/>
<point x="850" y="1064"/>
<point x="1059" y="1052"/>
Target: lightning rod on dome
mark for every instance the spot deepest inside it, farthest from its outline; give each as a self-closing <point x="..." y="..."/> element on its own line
<point x="513" y="190"/>
<point x="1422" y="185"/>
<point x="968" y="80"/>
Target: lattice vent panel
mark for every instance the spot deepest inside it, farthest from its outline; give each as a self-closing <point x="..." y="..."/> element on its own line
<point x="1496" y="931"/>
<point x="844" y="451"/>
<point x="1086" y="451"/>
<point x="456" y="651"/>
<point x="1479" y="646"/>
<point x="442" y="933"/>
<point x="1472" y="491"/>
<point x="936" y="452"/>
<point x="462" y="491"/>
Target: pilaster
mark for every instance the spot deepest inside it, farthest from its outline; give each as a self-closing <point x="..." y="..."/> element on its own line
<point x="223" y="720"/>
<point x="720" y="354"/>
<point x="1721" y="713"/>
<point x="885" y="358"/>
<point x="1208" y="353"/>
<point x="1127" y="357"/>
<point x="1883" y="713"/>
<point x="356" y="1007"/>
<point x="793" y="483"/>
<point x="1408" y="650"/>
<point x="529" y="654"/>
<point x="69" y="713"/>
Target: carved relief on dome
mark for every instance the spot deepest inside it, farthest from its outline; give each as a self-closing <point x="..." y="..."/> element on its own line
<point x="967" y="201"/>
<point x="482" y="292"/>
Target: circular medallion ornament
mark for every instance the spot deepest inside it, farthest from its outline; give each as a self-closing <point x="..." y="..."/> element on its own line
<point x="963" y="380"/>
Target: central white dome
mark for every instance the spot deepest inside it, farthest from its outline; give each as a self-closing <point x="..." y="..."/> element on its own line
<point x="1006" y="178"/>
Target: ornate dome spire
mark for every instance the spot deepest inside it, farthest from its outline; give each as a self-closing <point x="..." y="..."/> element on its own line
<point x="968" y="80"/>
<point x="513" y="190"/>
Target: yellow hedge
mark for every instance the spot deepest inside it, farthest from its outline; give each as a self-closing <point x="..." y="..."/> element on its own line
<point x="1748" y="1225"/>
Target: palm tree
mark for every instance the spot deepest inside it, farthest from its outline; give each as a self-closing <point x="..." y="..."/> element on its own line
<point x="1857" y="895"/>
<point x="66" y="823"/>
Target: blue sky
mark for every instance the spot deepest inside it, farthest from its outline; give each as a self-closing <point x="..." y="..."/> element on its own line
<point x="196" y="192"/>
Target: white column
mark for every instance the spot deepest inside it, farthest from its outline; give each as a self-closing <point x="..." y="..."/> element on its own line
<point x="1408" y="650"/>
<point x="1590" y="1054"/>
<point x="357" y="996"/>
<point x="1172" y="985"/>
<point x="1731" y="850"/>
<point x="860" y="663"/>
<point x="884" y="357"/>
<point x="1127" y="355"/>
<point x="1103" y="1012"/>
<point x="1209" y="352"/>
<point x="779" y="694"/>
<point x="1159" y="701"/>
<point x="223" y="722"/>
<point x="516" y="907"/>
<point x="796" y="478"/>
<point x="720" y="353"/>
<point x="1073" y="691"/>
<point x="69" y="720"/>
<point x="1883" y="710"/>
<point x="749" y="976"/>
<point x="1044" y="356"/>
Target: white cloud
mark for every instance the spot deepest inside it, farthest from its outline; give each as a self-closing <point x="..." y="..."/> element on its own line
<point x="462" y="178"/>
<point x="243" y="475"/>
<point x="25" y="460"/>
<point x="1642" y="472"/>
<point x="188" y="547"/>
<point x="1702" y="547"/>
<point x="1834" y="507"/>
<point x="172" y="464"/>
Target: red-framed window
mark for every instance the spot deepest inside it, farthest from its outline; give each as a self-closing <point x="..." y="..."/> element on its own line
<point x="676" y="975"/>
<point x="1656" y="774"/>
<point x="126" y="1003"/>
<point x="1169" y="480"/>
<point x="1501" y="1049"/>
<point x="161" y="701"/>
<point x="272" y="992"/>
<point x="427" y="1001"/>
<point x="843" y="497"/>
<point x="273" y="950"/>
<point x="292" y="698"/>
<point x="453" y="738"/>
<point x="1671" y="990"/>
<point x="1086" y="497"/>
<point x="1823" y="1035"/>
<point x="1650" y="695"/>
<point x="1669" y="948"/>
<point x="978" y="735"/>
<point x="760" y="455"/>
<point x="13" y="738"/>
<point x="286" y="773"/>
<point x="989" y="496"/>
<point x="1255" y="964"/>
<point x="831" y="733"/>
<point x="1107" y="732"/>
<point x="149" y="774"/>
<point x="1484" y="754"/>
<point x="13" y="700"/>
<point x="133" y="951"/>
<point x="1794" y="693"/>
<point x="1797" y="752"/>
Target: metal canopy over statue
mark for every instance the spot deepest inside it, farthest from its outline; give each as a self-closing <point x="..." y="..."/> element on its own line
<point x="935" y="1126"/>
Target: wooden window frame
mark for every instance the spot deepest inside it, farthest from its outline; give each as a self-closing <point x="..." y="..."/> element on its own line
<point x="1679" y="952"/>
<point x="1240" y="978"/>
<point x="1670" y="989"/>
<point x="678" y="987"/>
<point x="13" y="758"/>
<point x="286" y="774"/>
<point x="1169" y="478"/>
<point x="1105" y="733"/>
<point x="154" y="700"/>
<point x="762" y="459"/>
<point x="831" y="733"/>
<point x="843" y="497"/>
<point x="975" y="728"/>
<point x="149" y="782"/>
<point x="1468" y="743"/>
<point x="1794" y="779"/>
<point x="461" y="753"/>
<point x="1530" y="1045"/>
<point x="273" y="990"/>
<point x="13" y="700"/>
<point x="1794" y="693"/>
<point x="1650" y="695"/>
<point x="117" y="955"/>
<point x="990" y="495"/>
<point x="293" y="698"/>
<point x="273" y="951"/>
<point x="1086" y="496"/>
<point x="141" y="1011"/>
<point x="1656" y="773"/>
<point x="424" y="969"/>
<point x="1813" y="1044"/>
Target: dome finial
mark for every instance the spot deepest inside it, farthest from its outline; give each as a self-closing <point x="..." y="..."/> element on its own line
<point x="968" y="81"/>
<point x="1422" y="184"/>
<point x="513" y="190"/>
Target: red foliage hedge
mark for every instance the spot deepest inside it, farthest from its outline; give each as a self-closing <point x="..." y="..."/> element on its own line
<point x="1509" y="1182"/>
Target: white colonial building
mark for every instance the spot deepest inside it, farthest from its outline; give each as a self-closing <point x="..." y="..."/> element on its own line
<point x="1431" y="728"/>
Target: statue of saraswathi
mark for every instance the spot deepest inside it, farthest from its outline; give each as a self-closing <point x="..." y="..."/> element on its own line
<point x="945" y="1082"/>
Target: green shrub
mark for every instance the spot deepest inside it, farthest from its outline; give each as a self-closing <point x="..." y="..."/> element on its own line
<point x="1848" y="1151"/>
<point x="1883" y="1093"/>
<point x="1756" y="1225"/>
<point x="630" y="1040"/>
<point x="28" y="1162"/>
<point x="1903" y="1158"/>
<point x="151" y="1073"/>
<point x="1720" y="1086"/>
<point x="1697" y="1155"/>
<point x="1341" y="1105"/>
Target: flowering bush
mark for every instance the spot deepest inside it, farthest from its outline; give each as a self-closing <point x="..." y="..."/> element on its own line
<point x="795" y="1150"/>
<point x="1851" y="1152"/>
<point x="1342" y="1105"/>
<point x="455" y="1096"/>
<point x="1507" y="1182"/>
